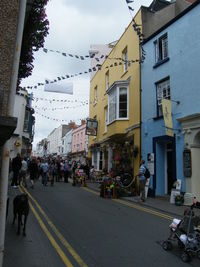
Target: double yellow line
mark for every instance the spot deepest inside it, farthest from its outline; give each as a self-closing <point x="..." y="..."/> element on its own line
<point x="136" y="206"/>
<point x="63" y="241"/>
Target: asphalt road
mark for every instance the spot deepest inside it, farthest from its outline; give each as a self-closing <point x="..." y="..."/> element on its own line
<point x="72" y="226"/>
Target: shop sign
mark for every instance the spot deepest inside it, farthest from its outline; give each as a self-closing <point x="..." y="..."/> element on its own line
<point x="187" y="163"/>
<point x="91" y="127"/>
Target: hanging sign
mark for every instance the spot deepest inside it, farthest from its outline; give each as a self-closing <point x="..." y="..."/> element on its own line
<point x="187" y="163"/>
<point x="91" y="127"/>
<point x="167" y="114"/>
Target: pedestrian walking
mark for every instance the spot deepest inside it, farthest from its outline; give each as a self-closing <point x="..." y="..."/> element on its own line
<point x="142" y="179"/>
<point x="44" y="167"/>
<point x="23" y="172"/>
<point x="33" y="170"/>
<point x="16" y="167"/>
<point x="51" y="172"/>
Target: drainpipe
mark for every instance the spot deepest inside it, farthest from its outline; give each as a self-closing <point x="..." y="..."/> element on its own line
<point x="6" y="148"/>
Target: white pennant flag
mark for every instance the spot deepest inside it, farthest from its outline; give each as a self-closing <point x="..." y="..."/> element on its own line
<point x="59" y="87"/>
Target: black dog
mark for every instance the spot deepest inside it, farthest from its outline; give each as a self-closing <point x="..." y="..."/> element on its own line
<point x="20" y="208"/>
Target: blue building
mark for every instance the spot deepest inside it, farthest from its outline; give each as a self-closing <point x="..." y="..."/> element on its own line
<point x="171" y="70"/>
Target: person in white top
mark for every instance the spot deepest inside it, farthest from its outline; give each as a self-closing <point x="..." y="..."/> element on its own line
<point x="23" y="172"/>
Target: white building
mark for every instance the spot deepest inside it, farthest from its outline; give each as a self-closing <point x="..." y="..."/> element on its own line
<point x="21" y="140"/>
<point x="67" y="143"/>
<point x="55" y="139"/>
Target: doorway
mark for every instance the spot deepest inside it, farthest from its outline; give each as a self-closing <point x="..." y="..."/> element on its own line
<point x="170" y="180"/>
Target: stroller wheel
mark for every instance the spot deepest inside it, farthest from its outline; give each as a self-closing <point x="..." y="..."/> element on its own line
<point x="167" y="245"/>
<point x="185" y="256"/>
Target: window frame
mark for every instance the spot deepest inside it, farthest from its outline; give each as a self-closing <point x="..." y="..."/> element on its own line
<point x="116" y="91"/>
<point x="107" y="80"/>
<point x="159" y="99"/>
<point x="161" y="48"/>
<point x="125" y="59"/>
<point x="95" y="94"/>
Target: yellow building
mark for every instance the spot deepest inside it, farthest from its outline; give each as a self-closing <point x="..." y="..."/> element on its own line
<point x="115" y="105"/>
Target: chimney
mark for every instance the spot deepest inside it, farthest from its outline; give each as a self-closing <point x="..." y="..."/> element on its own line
<point x="83" y="122"/>
<point x="72" y="125"/>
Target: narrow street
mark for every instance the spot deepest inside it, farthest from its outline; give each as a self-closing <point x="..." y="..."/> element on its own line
<point x="73" y="226"/>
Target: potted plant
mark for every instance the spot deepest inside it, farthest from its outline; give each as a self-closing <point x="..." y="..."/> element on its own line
<point x="179" y="200"/>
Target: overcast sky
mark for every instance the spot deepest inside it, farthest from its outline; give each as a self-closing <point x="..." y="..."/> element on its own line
<point x="74" y="26"/>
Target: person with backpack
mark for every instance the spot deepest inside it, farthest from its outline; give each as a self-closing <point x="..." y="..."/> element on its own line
<point x="143" y="175"/>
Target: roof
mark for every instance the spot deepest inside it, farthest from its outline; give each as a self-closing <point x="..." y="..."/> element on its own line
<point x="185" y="11"/>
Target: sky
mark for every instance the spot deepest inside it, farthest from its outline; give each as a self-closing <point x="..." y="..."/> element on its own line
<point x="74" y="26"/>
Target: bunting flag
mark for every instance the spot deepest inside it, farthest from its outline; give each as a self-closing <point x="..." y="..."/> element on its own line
<point x="59" y="120"/>
<point x="66" y="88"/>
<point x="137" y="29"/>
<point x="59" y="100"/>
<point x="74" y="56"/>
<point x="67" y="76"/>
<point x="130" y="8"/>
<point x="62" y="108"/>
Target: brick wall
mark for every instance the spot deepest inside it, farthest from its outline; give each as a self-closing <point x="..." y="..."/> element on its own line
<point x="8" y="25"/>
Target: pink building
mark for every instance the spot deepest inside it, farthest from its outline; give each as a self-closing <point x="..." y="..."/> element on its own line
<point x="79" y="142"/>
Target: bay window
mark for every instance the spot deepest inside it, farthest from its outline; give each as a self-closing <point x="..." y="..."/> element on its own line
<point x="118" y="99"/>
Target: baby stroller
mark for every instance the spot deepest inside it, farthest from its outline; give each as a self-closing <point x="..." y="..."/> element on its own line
<point x="186" y="233"/>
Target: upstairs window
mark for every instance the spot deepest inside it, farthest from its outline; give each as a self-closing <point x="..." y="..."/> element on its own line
<point x="26" y="121"/>
<point x="163" y="92"/>
<point x="161" y="48"/>
<point x="95" y="94"/>
<point x="125" y="59"/>
<point x="112" y="105"/>
<point x="106" y="118"/>
<point x="107" y="80"/>
<point x="123" y="102"/>
<point x="118" y="98"/>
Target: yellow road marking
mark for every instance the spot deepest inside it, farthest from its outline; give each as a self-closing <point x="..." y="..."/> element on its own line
<point x="135" y="206"/>
<point x="90" y="190"/>
<point x="58" y="234"/>
<point x="51" y="239"/>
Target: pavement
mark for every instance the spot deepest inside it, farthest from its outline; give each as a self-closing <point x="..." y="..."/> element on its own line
<point x="160" y="203"/>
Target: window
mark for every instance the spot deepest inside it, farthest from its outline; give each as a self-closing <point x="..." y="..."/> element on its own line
<point x="95" y="94"/>
<point x="163" y="91"/>
<point x="123" y="102"/>
<point x="107" y="80"/>
<point x="113" y="105"/>
<point x="26" y="120"/>
<point x="106" y="118"/>
<point x="161" y="48"/>
<point x="125" y="59"/>
<point x="118" y="103"/>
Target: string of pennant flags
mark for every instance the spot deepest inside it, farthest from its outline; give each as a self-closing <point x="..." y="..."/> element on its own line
<point x="60" y="108"/>
<point x="59" y="100"/>
<point x="46" y="50"/>
<point x="55" y="119"/>
<point x="137" y="29"/>
<point x="93" y="69"/>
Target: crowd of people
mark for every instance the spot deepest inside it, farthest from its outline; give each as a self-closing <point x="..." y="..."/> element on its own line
<point x="48" y="169"/>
